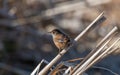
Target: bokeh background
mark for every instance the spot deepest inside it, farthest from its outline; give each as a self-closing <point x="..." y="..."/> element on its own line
<point x="24" y="26"/>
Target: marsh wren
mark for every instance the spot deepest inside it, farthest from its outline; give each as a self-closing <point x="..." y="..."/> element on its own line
<point x="61" y="40"/>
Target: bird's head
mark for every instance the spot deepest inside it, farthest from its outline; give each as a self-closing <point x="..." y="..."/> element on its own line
<point x="55" y="32"/>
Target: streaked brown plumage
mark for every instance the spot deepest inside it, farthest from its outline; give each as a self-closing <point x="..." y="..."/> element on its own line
<point x="60" y="39"/>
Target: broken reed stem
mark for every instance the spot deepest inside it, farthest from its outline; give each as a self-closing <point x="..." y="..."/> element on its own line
<point x="112" y="50"/>
<point x="47" y="67"/>
<point x="91" y="58"/>
<point x="67" y="71"/>
<point x="111" y="33"/>
<point x="76" y="59"/>
<point x="37" y="68"/>
<point x="97" y="58"/>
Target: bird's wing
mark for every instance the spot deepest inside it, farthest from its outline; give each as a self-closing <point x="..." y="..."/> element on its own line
<point x="64" y="40"/>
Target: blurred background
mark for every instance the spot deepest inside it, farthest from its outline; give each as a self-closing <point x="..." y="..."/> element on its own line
<point x="24" y="26"/>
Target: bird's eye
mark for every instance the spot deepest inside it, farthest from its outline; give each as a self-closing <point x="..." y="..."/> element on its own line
<point x="53" y="32"/>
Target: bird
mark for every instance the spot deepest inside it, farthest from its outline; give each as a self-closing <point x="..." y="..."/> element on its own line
<point x="60" y="39"/>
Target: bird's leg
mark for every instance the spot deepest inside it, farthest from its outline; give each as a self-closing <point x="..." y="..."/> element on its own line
<point x="60" y="51"/>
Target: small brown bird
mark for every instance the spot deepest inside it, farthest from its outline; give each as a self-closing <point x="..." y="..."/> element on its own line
<point x="61" y="40"/>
